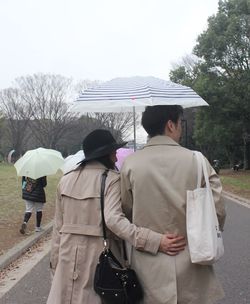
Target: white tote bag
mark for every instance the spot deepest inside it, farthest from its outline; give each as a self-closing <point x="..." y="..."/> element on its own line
<point x="203" y="233"/>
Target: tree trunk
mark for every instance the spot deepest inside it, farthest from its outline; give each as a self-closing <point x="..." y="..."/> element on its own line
<point x="247" y="156"/>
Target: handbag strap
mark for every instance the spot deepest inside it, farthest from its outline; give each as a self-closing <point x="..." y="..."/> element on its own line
<point x="103" y="181"/>
<point x="105" y="241"/>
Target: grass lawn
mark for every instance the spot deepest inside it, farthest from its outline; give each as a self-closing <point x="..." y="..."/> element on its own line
<point x="237" y="182"/>
<point x="12" y="206"/>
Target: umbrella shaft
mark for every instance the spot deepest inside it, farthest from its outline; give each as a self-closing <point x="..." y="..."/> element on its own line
<point x="134" y="118"/>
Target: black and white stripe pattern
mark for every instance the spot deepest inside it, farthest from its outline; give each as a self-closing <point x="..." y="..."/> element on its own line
<point x="122" y="94"/>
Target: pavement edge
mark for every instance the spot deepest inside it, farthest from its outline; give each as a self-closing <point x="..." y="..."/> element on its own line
<point x="236" y="199"/>
<point x="14" y="253"/>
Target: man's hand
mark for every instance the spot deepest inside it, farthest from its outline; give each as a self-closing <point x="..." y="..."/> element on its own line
<point x="172" y="244"/>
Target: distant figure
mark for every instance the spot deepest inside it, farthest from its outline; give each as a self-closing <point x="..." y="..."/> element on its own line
<point x="216" y="165"/>
<point x="34" y="195"/>
<point x="237" y="166"/>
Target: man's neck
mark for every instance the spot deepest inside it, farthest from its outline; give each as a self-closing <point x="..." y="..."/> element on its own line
<point x="170" y="135"/>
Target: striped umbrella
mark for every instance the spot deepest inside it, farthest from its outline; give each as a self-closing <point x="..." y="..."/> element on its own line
<point x="124" y="94"/>
<point x="130" y="94"/>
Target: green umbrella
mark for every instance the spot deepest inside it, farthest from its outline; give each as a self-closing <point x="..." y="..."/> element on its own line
<point x="39" y="162"/>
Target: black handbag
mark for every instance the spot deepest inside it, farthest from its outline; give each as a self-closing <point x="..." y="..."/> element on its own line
<point x="114" y="283"/>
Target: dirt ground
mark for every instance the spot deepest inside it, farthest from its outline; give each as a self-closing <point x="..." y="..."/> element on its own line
<point x="10" y="235"/>
<point x="9" y="232"/>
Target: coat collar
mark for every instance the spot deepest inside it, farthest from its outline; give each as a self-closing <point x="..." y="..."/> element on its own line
<point x="94" y="165"/>
<point x="161" y="140"/>
<point x="89" y="165"/>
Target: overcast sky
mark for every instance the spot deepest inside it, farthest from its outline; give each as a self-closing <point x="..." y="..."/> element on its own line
<point x="98" y="39"/>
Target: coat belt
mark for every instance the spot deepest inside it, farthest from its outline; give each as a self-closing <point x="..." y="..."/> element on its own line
<point x="82" y="229"/>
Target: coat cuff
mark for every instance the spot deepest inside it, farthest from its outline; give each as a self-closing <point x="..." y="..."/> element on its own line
<point x="153" y="242"/>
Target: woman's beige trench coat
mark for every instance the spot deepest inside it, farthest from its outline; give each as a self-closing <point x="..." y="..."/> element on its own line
<point x="77" y="234"/>
<point x="158" y="177"/>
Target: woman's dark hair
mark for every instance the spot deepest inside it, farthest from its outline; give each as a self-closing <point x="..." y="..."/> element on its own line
<point x="154" y="118"/>
<point x="106" y="161"/>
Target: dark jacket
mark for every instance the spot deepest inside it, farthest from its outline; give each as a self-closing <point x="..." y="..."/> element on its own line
<point x="33" y="189"/>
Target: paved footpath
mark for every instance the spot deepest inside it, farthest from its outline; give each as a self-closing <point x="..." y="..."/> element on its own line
<point x="234" y="268"/>
<point x="28" y="279"/>
<point x="30" y="282"/>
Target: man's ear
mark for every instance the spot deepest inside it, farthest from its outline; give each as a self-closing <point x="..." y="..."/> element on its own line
<point x="169" y="127"/>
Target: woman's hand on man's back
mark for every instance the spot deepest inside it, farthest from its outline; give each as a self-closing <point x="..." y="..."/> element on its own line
<point x="172" y="244"/>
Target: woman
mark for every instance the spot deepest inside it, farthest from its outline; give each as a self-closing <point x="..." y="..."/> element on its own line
<point x="34" y="195"/>
<point x="77" y="235"/>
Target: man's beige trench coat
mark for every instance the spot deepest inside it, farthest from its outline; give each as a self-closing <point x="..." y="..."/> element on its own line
<point x="77" y="233"/>
<point x="154" y="182"/>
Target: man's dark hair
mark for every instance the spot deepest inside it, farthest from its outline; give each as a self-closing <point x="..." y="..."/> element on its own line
<point x="154" y="118"/>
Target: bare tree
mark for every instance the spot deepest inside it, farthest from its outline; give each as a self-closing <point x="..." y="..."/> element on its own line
<point x="86" y="84"/>
<point x="120" y="124"/>
<point x="2" y="131"/>
<point x="17" y="115"/>
<point x="189" y="61"/>
<point x="47" y="96"/>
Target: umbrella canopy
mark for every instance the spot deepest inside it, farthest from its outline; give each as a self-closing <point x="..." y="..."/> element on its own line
<point x="39" y="162"/>
<point x="71" y="161"/>
<point x="121" y="154"/>
<point x="129" y="93"/>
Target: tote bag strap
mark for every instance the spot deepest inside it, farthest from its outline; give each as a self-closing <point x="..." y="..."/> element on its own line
<point x="205" y="173"/>
<point x="202" y="169"/>
<point x="201" y="159"/>
<point x="199" y="168"/>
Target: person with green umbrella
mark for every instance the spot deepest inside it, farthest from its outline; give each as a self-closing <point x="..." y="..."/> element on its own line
<point x="34" y="195"/>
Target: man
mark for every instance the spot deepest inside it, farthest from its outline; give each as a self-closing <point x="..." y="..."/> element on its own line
<point x="154" y="182"/>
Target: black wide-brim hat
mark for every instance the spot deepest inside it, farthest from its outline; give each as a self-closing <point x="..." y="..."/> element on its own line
<point x="99" y="143"/>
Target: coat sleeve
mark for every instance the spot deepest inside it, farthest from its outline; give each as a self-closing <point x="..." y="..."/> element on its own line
<point x="126" y="193"/>
<point x="58" y="222"/>
<point x="141" y="238"/>
<point x="216" y="187"/>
